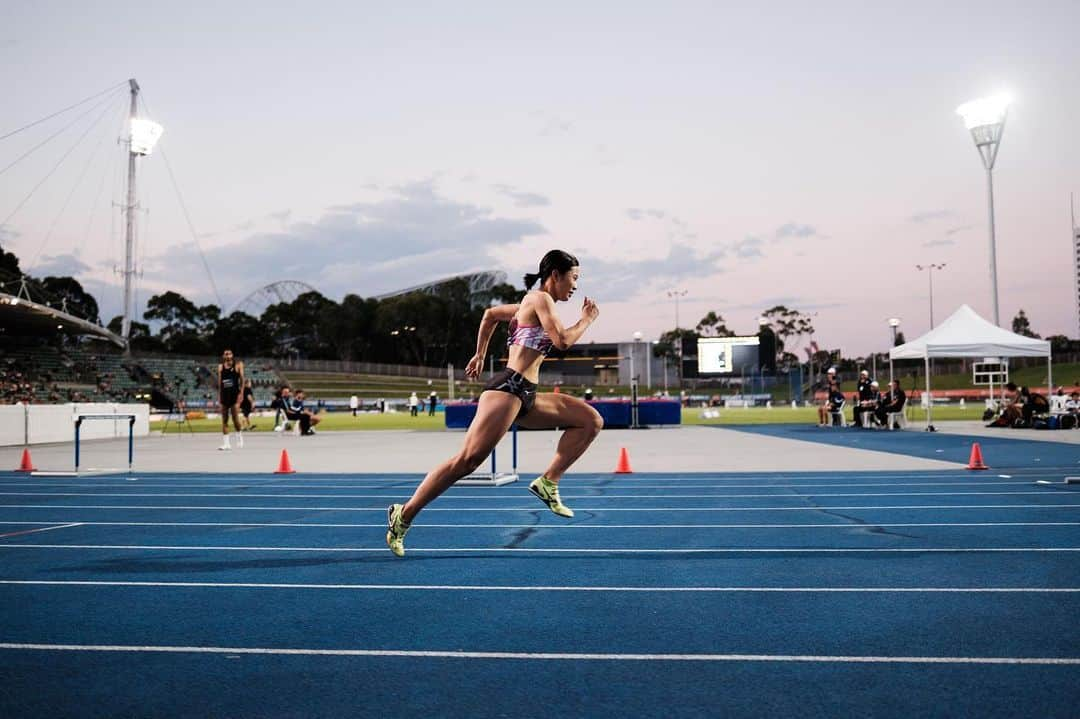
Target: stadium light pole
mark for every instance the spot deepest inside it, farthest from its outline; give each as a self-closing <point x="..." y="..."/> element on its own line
<point x="656" y="342"/>
<point x="142" y="136"/>
<point x="894" y="322"/>
<point x="985" y="118"/>
<point x="930" y="271"/>
<point x="678" y="336"/>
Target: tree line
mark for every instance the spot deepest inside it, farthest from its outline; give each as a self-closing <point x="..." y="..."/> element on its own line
<point x="419" y="328"/>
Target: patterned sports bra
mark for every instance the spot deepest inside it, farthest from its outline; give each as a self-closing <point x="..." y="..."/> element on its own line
<point x="532" y="336"/>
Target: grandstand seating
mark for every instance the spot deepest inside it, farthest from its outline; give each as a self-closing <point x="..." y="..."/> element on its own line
<point x="371" y="388"/>
<point x="49" y="374"/>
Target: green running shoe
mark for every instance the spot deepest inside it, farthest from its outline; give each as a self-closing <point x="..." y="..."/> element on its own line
<point x="396" y="529"/>
<point x="548" y="492"/>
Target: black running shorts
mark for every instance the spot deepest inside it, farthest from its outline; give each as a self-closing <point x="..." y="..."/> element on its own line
<point x="514" y="383"/>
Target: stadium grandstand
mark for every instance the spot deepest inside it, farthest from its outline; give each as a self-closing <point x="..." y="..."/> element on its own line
<point x="479" y="283"/>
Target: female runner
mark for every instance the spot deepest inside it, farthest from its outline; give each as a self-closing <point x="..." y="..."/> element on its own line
<point x="511" y="395"/>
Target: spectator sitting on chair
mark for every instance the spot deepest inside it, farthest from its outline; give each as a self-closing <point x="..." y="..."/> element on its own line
<point x="823" y="408"/>
<point x="892" y="403"/>
<point x="864" y="399"/>
<point x="1071" y="418"/>
<point x="869" y="407"/>
<point x="292" y="410"/>
<point x="835" y="404"/>
<point x="299" y="412"/>
<point x="1011" y="407"/>
<point x="1034" y="403"/>
<point x="281" y="397"/>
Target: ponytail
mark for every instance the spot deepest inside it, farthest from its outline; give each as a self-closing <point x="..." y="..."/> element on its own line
<point x="555" y="260"/>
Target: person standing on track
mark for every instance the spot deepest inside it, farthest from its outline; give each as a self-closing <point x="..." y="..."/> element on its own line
<point x="230" y="381"/>
<point x="247" y="404"/>
<point x="511" y="396"/>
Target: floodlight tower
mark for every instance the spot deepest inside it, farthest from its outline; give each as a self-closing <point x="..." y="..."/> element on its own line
<point x="930" y="271"/>
<point x="985" y="118"/>
<point x="677" y="294"/>
<point x="142" y="135"/>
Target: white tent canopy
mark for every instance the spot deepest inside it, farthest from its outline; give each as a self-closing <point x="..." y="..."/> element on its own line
<point x="966" y="334"/>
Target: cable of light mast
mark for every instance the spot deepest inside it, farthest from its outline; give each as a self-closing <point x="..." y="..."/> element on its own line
<point x="183" y="207"/>
<point x="61" y="112"/>
<point x="53" y="136"/>
<point x="54" y="169"/>
<point x="67" y="201"/>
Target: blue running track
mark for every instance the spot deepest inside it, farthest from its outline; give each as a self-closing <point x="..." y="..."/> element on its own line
<point x="885" y="594"/>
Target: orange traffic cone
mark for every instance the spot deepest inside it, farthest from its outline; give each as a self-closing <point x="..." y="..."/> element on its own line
<point x="623" y="467"/>
<point x="976" y="461"/>
<point x="284" y="466"/>
<point x="25" y="465"/>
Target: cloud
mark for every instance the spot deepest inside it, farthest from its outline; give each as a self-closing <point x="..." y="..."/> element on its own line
<point x="522" y="199"/>
<point x="747" y="247"/>
<point x="636" y="214"/>
<point x="412" y="235"/>
<point x="954" y="230"/>
<point x="7" y="234"/>
<point x="622" y="279"/>
<point x="68" y="265"/>
<point x="281" y="217"/>
<point x="552" y="126"/>
<point x="794" y="230"/>
<point x="930" y="215"/>
<point x="939" y="243"/>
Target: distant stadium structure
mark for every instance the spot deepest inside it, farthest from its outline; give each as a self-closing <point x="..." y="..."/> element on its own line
<point x="21" y="316"/>
<point x="479" y="282"/>
<point x="274" y="293"/>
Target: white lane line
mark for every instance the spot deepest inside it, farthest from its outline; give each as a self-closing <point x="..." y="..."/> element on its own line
<point x="321" y="525"/>
<point x="552" y="550"/>
<point x="39" y="529"/>
<point x="243" y="486"/>
<point x="375" y="480"/>
<point x="533" y="507"/>
<point x="500" y="497"/>
<point x="546" y="656"/>
<point x="549" y="588"/>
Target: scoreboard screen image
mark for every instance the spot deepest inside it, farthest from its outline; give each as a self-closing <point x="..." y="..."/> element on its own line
<point x="727" y="355"/>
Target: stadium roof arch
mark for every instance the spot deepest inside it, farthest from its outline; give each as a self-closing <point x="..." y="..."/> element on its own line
<point x="478" y="282"/>
<point x="274" y="293"/>
<point x="21" y="316"/>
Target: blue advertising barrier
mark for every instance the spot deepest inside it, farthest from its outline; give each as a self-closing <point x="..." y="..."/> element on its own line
<point x="616" y="413"/>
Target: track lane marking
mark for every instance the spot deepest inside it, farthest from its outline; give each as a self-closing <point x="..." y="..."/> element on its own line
<point x="555" y="550"/>
<point x="546" y="656"/>
<point x="318" y="525"/>
<point x="547" y="588"/>
<point x="473" y="497"/>
<point x="40" y="529"/>
<point x="532" y="507"/>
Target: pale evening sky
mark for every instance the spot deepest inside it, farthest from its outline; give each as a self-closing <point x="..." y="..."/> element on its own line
<point x="794" y="153"/>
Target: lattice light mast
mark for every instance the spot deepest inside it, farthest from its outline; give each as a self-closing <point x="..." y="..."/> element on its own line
<point x="985" y="118"/>
<point x="142" y="136"/>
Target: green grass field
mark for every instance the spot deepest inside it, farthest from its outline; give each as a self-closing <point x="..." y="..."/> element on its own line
<point x="326" y="385"/>
<point x="339" y="421"/>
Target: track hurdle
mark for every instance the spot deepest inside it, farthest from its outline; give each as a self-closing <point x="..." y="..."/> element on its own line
<point x="131" y="433"/>
<point x="494" y="478"/>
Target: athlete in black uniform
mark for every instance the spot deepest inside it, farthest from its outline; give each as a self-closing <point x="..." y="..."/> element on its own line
<point x="247" y="403"/>
<point x="230" y="382"/>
